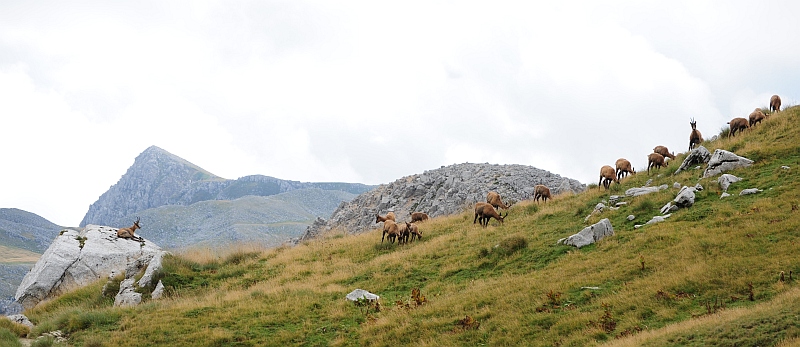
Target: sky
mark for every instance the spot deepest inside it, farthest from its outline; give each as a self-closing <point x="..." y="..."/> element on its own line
<point x="370" y="91"/>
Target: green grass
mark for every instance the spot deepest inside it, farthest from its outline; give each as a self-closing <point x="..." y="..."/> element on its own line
<point x="709" y="275"/>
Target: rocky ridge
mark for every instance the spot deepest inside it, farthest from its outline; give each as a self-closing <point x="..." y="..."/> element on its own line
<point x="447" y="190"/>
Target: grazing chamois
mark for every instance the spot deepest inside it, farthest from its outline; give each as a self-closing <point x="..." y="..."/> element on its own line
<point x="494" y="199"/>
<point x="655" y="160"/>
<point x="624" y="168"/>
<point x="402" y="233"/>
<point x="775" y="103"/>
<point x="541" y="191"/>
<point x="485" y="212"/>
<point x="418" y="217"/>
<point x="738" y="124"/>
<point x="390" y="227"/>
<point x="607" y="174"/>
<point x="664" y="151"/>
<point x="127" y="233"/>
<point x="414" y="231"/>
<point x="757" y="116"/>
<point x="389" y="216"/>
<point x="695" y="138"/>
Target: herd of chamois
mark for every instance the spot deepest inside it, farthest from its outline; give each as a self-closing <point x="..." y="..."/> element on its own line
<point x="657" y="159"/>
<point x="485" y="211"/>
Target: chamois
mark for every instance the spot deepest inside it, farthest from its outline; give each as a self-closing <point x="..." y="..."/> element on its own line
<point x="418" y="217"/>
<point x="775" y="103"/>
<point x="389" y="216"/>
<point x="402" y="233"/>
<point x="414" y="231"/>
<point x="607" y="175"/>
<point x="738" y="124"/>
<point x="494" y="199"/>
<point x="655" y="160"/>
<point x="485" y="212"/>
<point x="624" y="168"/>
<point x="664" y="151"/>
<point x="757" y="116"/>
<point x="390" y="227"/>
<point x="695" y="138"/>
<point x="127" y="233"/>
<point x="541" y="191"/>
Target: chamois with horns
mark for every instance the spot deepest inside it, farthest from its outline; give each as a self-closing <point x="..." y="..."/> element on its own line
<point x="127" y="233"/>
<point x="695" y="138"/>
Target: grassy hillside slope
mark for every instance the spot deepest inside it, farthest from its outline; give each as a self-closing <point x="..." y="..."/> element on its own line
<point x="709" y="275"/>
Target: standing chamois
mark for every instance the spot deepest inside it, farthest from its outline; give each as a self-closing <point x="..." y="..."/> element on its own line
<point x="695" y="138"/>
<point x="127" y="233"/>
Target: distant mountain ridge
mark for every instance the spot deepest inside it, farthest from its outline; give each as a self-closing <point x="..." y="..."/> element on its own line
<point x="159" y="178"/>
<point x="26" y="230"/>
<point x="444" y="191"/>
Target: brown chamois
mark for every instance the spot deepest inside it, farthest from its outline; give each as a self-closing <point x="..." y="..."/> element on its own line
<point x="695" y="138"/>
<point x="494" y="199"/>
<point x="738" y="124"/>
<point x="485" y="212"/>
<point x="757" y="116"/>
<point x="418" y="217"/>
<point x="402" y="233"/>
<point x="541" y="191"/>
<point x="607" y="174"/>
<point x="127" y="233"/>
<point x="389" y="216"/>
<point x="413" y="229"/>
<point x="624" y="168"/>
<point x="664" y="151"/>
<point x="775" y="103"/>
<point x="390" y="227"/>
<point x="655" y="160"/>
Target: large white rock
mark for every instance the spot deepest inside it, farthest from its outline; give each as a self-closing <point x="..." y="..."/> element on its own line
<point x="698" y="155"/>
<point x="361" y="294"/>
<point x="726" y="180"/>
<point x="631" y="192"/>
<point x="66" y="264"/>
<point x="590" y="234"/>
<point x="685" y="197"/>
<point x="722" y="161"/>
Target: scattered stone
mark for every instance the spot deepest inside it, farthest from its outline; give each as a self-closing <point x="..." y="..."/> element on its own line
<point x="599" y="207"/>
<point x="724" y="195"/>
<point x="591" y="288"/>
<point x="685" y="197"/>
<point x="127" y="295"/>
<point x="698" y="155"/>
<point x="649" y="182"/>
<point x="56" y="334"/>
<point x="621" y="203"/>
<point x="589" y="235"/>
<point x="676" y="185"/>
<point x="20" y="319"/>
<point x="361" y="294"/>
<point x="158" y="292"/>
<point x="785" y="167"/>
<point x="723" y="160"/>
<point x="613" y="199"/>
<point x="644" y="190"/>
<point x="750" y="191"/>
<point x="637" y="226"/>
<point x="726" y="180"/>
<point x="631" y="217"/>
<point x="669" y="207"/>
<point x="698" y="187"/>
<point x="658" y="219"/>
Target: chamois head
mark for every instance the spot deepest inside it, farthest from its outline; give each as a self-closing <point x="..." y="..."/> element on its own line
<point x="693" y="123"/>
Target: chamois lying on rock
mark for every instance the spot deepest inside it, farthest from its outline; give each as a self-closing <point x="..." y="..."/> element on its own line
<point x="418" y="217"/>
<point x="757" y="116"/>
<point x="624" y="168"/>
<point x="738" y="124"/>
<point x="390" y="228"/>
<point x="607" y="174"/>
<point x="127" y="233"/>
<point x="484" y="212"/>
<point x="389" y="216"/>
<point x="541" y="191"/>
<point x="695" y="138"/>
<point x="494" y="199"/>
<point x="775" y="103"/>
<point x="664" y="151"/>
<point x="655" y="160"/>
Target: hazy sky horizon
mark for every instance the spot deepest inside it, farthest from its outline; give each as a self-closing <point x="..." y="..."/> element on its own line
<point x="369" y="92"/>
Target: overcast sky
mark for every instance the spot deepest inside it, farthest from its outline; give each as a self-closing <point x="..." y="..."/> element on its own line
<point x="370" y="91"/>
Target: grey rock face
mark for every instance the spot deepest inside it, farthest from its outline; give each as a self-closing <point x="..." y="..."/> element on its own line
<point x="589" y="235"/>
<point x="726" y="180"/>
<point x="685" y="197"/>
<point x="444" y="191"/>
<point x="698" y="155"/>
<point x="127" y="295"/>
<point x="75" y="259"/>
<point x="722" y="161"/>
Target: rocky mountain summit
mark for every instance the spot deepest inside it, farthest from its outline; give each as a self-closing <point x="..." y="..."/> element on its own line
<point x="447" y="190"/>
<point x="159" y="178"/>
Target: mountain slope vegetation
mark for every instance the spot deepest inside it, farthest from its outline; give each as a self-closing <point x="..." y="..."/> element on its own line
<point x="708" y="275"/>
